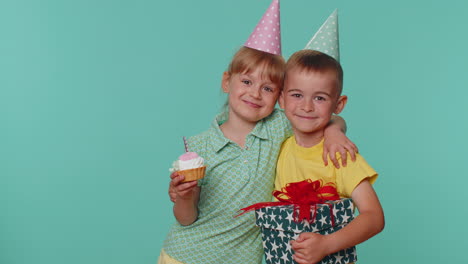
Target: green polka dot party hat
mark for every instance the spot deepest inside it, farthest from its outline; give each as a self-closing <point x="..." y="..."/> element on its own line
<point x="326" y="39"/>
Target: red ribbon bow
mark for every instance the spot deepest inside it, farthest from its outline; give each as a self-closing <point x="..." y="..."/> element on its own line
<point x="303" y="195"/>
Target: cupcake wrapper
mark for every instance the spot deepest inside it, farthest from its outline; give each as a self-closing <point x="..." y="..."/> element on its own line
<point x="193" y="174"/>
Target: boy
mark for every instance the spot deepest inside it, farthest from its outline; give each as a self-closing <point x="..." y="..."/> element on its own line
<point x="311" y="94"/>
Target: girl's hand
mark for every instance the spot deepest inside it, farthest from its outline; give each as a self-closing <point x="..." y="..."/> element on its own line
<point x="185" y="196"/>
<point x="337" y="142"/>
<point x="309" y="248"/>
<point x="179" y="189"/>
<point x="172" y="192"/>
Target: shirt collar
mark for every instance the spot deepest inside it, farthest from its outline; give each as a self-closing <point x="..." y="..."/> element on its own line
<point x="219" y="141"/>
<point x="260" y="130"/>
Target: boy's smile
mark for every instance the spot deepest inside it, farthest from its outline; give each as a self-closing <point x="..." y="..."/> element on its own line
<point x="309" y="99"/>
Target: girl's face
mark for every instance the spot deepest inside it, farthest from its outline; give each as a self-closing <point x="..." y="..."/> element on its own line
<point x="251" y="96"/>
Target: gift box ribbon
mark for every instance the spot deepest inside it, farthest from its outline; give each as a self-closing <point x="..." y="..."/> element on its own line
<point x="304" y="195"/>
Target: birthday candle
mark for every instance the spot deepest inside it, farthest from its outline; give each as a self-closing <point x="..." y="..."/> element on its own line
<point x="185" y="144"/>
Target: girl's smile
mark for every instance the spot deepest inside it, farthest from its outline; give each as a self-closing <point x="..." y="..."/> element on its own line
<point x="251" y="104"/>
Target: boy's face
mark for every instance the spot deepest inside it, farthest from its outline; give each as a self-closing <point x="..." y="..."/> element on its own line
<point x="309" y="99"/>
<point x="251" y="97"/>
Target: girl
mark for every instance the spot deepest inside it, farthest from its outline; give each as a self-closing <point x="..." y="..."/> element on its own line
<point x="240" y="151"/>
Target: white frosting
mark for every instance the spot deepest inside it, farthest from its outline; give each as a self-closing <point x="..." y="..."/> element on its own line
<point x="179" y="165"/>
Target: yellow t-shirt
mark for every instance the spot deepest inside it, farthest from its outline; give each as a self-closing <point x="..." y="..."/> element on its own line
<point x="166" y="259"/>
<point x="296" y="163"/>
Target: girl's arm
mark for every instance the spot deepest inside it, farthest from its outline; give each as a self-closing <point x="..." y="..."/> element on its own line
<point x="186" y="199"/>
<point x="337" y="141"/>
<point x="312" y="247"/>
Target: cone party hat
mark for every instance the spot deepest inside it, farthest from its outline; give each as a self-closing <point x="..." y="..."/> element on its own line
<point x="326" y="40"/>
<point x="267" y="34"/>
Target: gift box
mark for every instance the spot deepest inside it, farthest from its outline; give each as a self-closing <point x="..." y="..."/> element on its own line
<point x="279" y="225"/>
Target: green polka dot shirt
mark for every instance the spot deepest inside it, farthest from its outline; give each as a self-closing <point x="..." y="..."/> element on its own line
<point x="235" y="178"/>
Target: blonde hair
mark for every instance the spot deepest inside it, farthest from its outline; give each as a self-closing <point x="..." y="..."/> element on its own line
<point x="315" y="61"/>
<point x="245" y="60"/>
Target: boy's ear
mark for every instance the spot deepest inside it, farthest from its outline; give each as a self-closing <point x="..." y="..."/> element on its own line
<point x="225" y="82"/>
<point x="341" y="104"/>
<point x="281" y="99"/>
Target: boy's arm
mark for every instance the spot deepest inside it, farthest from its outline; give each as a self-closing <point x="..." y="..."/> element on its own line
<point x="337" y="141"/>
<point x="311" y="247"/>
<point x="367" y="224"/>
<point x="186" y="199"/>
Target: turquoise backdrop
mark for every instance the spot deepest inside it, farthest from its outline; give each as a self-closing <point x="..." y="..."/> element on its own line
<point x="95" y="96"/>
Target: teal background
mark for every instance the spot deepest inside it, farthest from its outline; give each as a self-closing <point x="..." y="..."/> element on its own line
<point x="95" y="97"/>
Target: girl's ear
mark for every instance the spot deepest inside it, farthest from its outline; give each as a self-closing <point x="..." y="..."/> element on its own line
<point x="225" y="82"/>
<point x="341" y="104"/>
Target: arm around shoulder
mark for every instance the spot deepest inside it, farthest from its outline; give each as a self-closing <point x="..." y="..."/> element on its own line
<point x="337" y="141"/>
<point x="337" y="122"/>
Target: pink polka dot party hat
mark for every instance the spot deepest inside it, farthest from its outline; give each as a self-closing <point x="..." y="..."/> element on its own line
<point x="267" y="34"/>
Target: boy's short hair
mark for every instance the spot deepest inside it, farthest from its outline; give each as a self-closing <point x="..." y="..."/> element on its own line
<point x="247" y="59"/>
<point x="315" y="61"/>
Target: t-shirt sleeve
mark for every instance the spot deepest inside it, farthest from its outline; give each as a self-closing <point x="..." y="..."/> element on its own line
<point x="349" y="177"/>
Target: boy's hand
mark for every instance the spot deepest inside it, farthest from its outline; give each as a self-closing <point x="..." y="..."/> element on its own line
<point x="309" y="248"/>
<point x="179" y="189"/>
<point x="337" y="142"/>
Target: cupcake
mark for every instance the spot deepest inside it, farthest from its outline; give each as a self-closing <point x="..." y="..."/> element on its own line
<point x="190" y="165"/>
